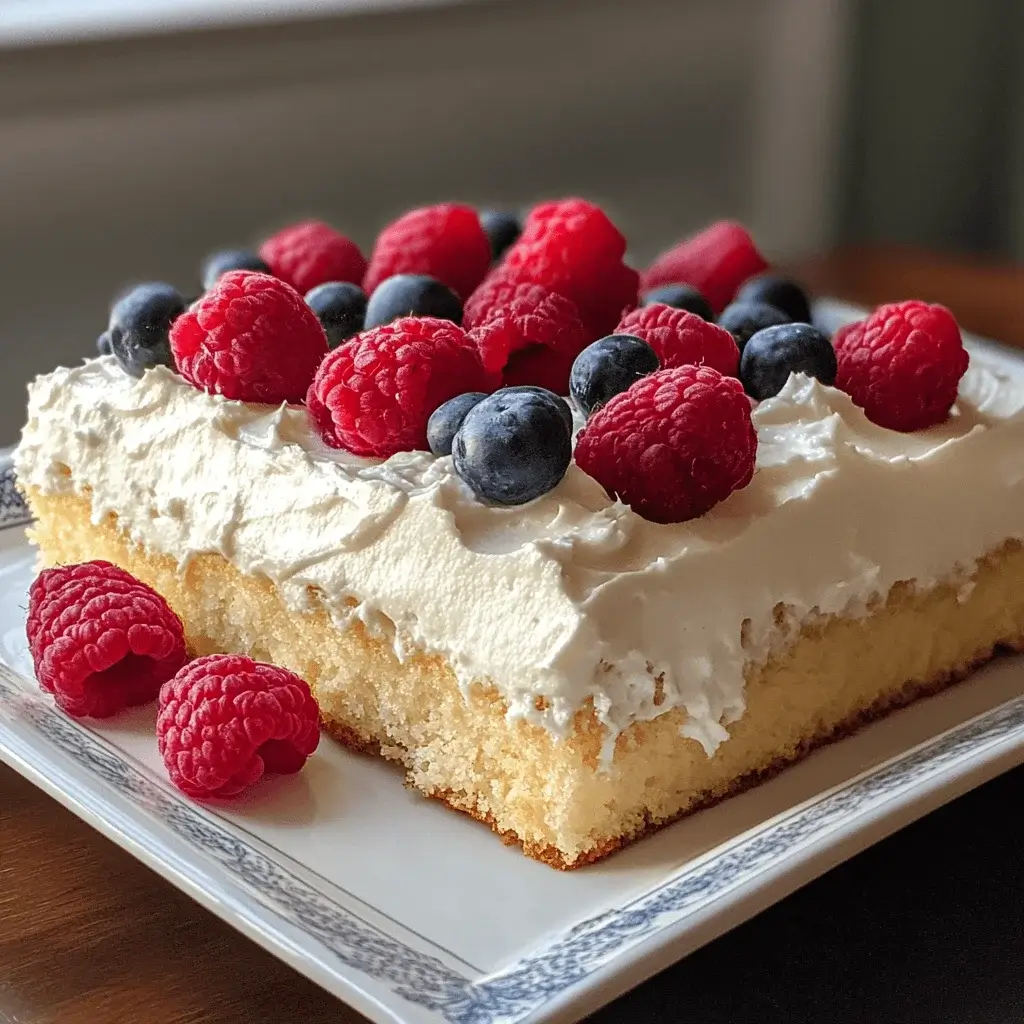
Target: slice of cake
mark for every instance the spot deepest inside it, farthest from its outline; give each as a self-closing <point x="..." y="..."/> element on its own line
<point x="575" y="649"/>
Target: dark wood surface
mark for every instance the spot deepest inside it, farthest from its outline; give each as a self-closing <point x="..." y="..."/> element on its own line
<point x="925" y="928"/>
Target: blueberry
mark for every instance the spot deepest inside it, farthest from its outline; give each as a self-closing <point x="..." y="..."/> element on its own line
<point x="412" y="295"/>
<point x="219" y="263"/>
<point x="772" y="354"/>
<point x="607" y="367"/>
<point x="779" y="292"/>
<point x="139" y="325"/>
<point x="557" y="401"/>
<point x="744" y="319"/>
<point x="513" y="446"/>
<point x="502" y="229"/>
<point x="682" y="296"/>
<point x="446" y="419"/>
<point x="103" y="344"/>
<point x="341" y="307"/>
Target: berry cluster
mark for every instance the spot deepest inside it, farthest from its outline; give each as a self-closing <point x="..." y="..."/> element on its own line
<point x="462" y="329"/>
<point x="102" y="641"/>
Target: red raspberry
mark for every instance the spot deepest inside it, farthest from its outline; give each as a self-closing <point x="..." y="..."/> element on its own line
<point x="532" y="321"/>
<point x="374" y="394"/>
<point x="100" y="639"/>
<point x="571" y="247"/>
<point x="496" y="289"/>
<point x="251" y="337"/>
<point x="902" y="364"/>
<point x="673" y="445"/>
<point x="445" y="242"/>
<point x="225" y="719"/>
<point x="680" y="338"/>
<point x="541" y="367"/>
<point x="716" y="261"/>
<point x="311" y="253"/>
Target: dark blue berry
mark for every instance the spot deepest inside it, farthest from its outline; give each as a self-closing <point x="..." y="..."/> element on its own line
<point x="682" y="296"/>
<point x="139" y="325"/>
<point x="501" y="228"/>
<point x="446" y="419"/>
<point x="513" y="446"/>
<point x="219" y="263"/>
<point x="772" y="354"/>
<point x="341" y="307"/>
<point x="607" y="367"/>
<point x="103" y="344"/>
<point x="412" y="295"/>
<point x="547" y="396"/>
<point x="744" y="319"/>
<point x="779" y="292"/>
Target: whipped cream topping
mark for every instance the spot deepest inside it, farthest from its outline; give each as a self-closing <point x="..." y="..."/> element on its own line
<point x="572" y="596"/>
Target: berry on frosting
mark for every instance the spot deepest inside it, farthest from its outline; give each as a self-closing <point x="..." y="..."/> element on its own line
<point x="140" y="322"/>
<point x="902" y="364"/>
<point x="514" y="446"/>
<point x="340" y="306"/>
<point x="608" y="367"/>
<point x="772" y="354"/>
<point x="226" y="720"/>
<point x="446" y="419"/>
<point x="681" y="338"/>
<point x="445" y="241"/>
<point x="100" y="639"/>
<point x="219" y="263"/>
<point x="673" y="445"/>
<point x="251" y="338"/>
<point x="412" y="295"/>
<point x="780" y="292"/>
<point x="716" y="261"/>
<point x="374" y="395"/>
<point x="311" y="253"/>
<point x="681" y="296"/>
<point x="502" y="229"/>
<point x="743" y="319"/>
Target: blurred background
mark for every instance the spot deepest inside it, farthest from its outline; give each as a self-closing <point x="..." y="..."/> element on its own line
<point x="137" y="135"/>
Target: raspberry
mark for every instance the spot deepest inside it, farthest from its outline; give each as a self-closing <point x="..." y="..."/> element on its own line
<point x="252" y="337"/>
<point x="311" y="253"/>
<point x="673" y="445"/>
<point x="716" y="261"/>
<point x="902" y="364"/>
<point x="533" y="327"/>
<point x="374" y="394"/>
<point x="494" y="291"/>
<point x="445" y="242"/>
<point x="541" y="367"/>
<point x="679" y="337"/>
<point x="100" y="639"/>
<point x="225" y="719"/>
<point x="571" y="247"/>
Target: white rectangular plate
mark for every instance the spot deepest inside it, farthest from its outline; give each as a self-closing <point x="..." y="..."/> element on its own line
<point x="412" y="913"/>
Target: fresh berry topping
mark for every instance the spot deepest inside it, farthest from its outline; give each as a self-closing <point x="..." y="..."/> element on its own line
<point x="680" y="338"/>
<point x="533" y="330"/>
<point x="902" y="364"/>
<point x="546" y="395"/>
<point x="772" y="354"/>
<point x="412" y="295"/>
<point x="446" y="419"/>
<point x="716" y="262"/>
<point x="374" y="395"/>
<point x="103" y="344"/>
<point x="100" y="639"/>
<point x="502" y="229"/>
<point x="513" y="446"/>
<point x="445" y="241"/>
<point x="744" y="319"/>
<point x="252" y="338"/>
<point x="219" y="263"/>
<point x="340" y="306"/>
<point x="226" y="720"/>
<point x="674" y="445"/>
<point x="139" y="325"/>
<point x="572" y="248"/>
<point x="311" y="253"/>
<point x="607" y="367"/>
<point x="681" y="296"/>
<point x="496" y="290"/>
<point x="779" y="292"/>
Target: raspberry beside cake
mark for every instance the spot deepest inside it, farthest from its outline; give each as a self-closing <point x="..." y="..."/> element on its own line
<point x="558" y="665"/>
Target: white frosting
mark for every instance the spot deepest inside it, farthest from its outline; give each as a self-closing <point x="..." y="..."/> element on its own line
<point x="572" y="596"/>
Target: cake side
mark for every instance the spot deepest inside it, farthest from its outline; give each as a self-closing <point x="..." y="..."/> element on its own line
<point x="552" y="796"/>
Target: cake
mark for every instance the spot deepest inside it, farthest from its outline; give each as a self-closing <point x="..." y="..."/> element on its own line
<point x="564" y="669"/>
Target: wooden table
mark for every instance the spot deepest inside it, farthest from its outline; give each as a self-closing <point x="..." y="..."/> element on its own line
<point x="925" y="927"/>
